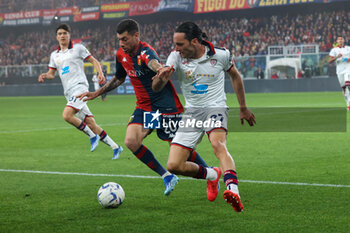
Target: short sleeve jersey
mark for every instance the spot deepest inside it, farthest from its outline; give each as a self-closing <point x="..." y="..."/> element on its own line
<point x="69" y="64"/>
<point x="342" y="66"/>
<point x="136" y="67"/>
<point x="202" y="80"/>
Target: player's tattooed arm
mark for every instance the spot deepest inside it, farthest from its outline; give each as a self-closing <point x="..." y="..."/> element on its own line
<point x="112" y="84"/>
<point x="162" y="76"/>
<point x="154" y="65"/>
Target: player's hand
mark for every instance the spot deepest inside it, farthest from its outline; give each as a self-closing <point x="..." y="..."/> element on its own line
<point x="164" y="73"/>
<point x="339" y="55"/>
<point x="87" y="96"/>
<point x="42" y="77"/>
<point x="247" y="115"/>
<point x="101" y="79"/>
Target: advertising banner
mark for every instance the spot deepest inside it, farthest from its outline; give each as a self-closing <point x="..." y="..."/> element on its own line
<point x="23" y="15"/>
<point x="86" y="16"/>
<point x="48" y="16"/>
<point x="143" y="7"/>
<point x="115" y="10"/>
<point x="65" y="19"/>
<point x="206" y="6"/>
<point x="22" y="18"/>
<point x="115" y="7"/>
<point x="265" y="3"/>
<point x="90" y="9"/>
<point x="176" y="5"/>
<point x="68" y="11"/>
<point x="114" y="15"/>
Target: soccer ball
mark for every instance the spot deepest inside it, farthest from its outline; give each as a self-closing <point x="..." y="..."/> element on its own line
<point x="111" y="195"/>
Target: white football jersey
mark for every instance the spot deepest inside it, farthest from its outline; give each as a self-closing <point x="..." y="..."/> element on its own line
<point x="342" y="66"/>
<point x="202" y="80"/>
<point x="69" y="64"/>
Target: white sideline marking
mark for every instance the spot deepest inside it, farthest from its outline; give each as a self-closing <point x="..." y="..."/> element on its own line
<point x="157" y="177"/>
<point x="51" y="129"/>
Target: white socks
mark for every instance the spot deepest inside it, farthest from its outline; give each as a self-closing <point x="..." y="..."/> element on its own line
<point x="109" y="142"/>
<point x="211" y="174"/>
<point x="233" y="188"/>
<point x="83" y="127"/>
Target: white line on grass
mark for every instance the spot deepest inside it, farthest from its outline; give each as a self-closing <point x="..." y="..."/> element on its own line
<point x="51" y="129"/>
<point x="157" y="177"/>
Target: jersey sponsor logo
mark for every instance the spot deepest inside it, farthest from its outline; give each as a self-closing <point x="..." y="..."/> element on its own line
<point x="65" y="70"/>
<point x="199" y="88"/>
<point x="137" y="73"/>
<point x="205" y="75"/>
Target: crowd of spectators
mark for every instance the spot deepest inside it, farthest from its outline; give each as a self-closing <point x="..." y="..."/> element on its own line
<point x="244" y="37"/>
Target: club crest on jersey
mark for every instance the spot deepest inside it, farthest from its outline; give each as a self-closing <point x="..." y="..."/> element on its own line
<point x="138" y="60"/>
<point x="213" y="62"/>
<point x="131" y="118"/>
<point x="189" y="74"/>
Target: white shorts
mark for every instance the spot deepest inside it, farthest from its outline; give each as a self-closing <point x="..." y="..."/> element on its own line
<point x="344" y="79"/>
<point x="190" y="137"/>
<point x="96" y="86"/>
<point x="80" y="106"/>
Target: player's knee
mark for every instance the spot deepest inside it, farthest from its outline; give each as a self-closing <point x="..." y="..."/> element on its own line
<point x="132" y="143"/>
<point x="92" y="126"/>
<point x="218" y="146"/>
<point x="66" y="117"/>
<point x="173" y="167"/>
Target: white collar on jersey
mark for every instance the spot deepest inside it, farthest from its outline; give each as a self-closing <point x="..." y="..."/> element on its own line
<point x="70" y="46"/>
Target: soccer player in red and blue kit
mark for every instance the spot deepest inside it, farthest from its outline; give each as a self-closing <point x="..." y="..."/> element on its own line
<point x="140" y="62"/>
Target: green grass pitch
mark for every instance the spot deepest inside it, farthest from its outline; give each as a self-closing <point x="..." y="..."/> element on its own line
<point x="34" y="137"/>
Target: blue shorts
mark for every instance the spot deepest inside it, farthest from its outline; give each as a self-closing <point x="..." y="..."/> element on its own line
<point x="164" y="133"/>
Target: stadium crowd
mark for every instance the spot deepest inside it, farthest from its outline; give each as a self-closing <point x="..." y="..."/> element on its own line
<point x="242" y="36"/>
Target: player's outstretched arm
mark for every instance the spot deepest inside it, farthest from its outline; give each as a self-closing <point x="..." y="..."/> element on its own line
<point x="49" y="75"/>
<point x="237" y="83"/>
<point x="112" y="84"/>
<point x="161" y="78"/>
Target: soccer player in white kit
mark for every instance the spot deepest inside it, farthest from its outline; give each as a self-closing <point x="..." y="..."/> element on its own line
<point x="68" y="60"/>
<point x="201" y="71"/>
<point x="341" y="56"/>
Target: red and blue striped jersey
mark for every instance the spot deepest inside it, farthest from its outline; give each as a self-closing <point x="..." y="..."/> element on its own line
<point x="166" y="101"/>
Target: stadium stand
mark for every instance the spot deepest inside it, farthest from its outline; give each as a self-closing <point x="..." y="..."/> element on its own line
<point x="247" y="36"/>
<point x="243" y="36"/>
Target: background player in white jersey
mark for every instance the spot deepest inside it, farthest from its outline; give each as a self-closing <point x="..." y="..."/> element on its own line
<point x="68" y="60"/>
<point x="98" y="84"/>
<point x="201" y="70"/>
<point x="341" y="56"/>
